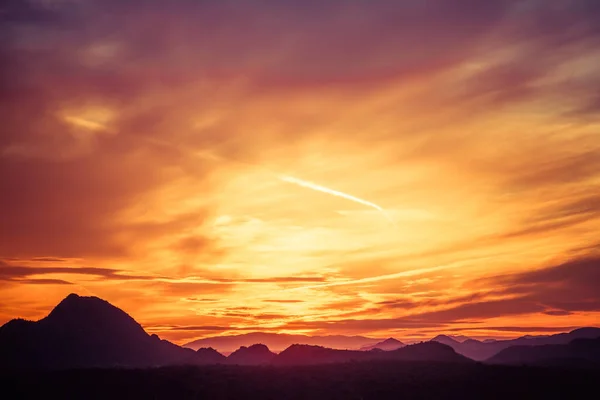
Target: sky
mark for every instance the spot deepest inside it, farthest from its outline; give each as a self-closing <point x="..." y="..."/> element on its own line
<point x="347" y="167"/>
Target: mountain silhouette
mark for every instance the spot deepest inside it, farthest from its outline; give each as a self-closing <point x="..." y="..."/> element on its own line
<point x="459" y="338"/>
<point x="304" y="354"/>
<point x="90" y="332"/>
<point x="257" y="354"/>
<point x="386" y="345"/>
<point x="450" y="340"/>
<point x="280" y="341"/>
<point x="87" y="332"/>
<point x="478" y="350"/>
<point x="208" y="355"/>
<point x="426" y="351"/>
<point x="445" y="339"/>
<point x="309" y="355"/>
<point x="579" y="352"/>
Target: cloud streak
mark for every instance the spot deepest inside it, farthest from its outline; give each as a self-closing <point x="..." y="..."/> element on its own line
<point x="323" y="189"/>
<point x="167" y="145"/>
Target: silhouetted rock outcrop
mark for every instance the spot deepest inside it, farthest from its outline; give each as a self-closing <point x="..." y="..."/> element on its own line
<point x="257" y="354"/>
<point x="387" y="345"/>
<point x="86" y="332"/>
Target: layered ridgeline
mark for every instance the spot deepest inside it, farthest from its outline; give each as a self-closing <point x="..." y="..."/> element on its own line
<point x="486" y="350"/>
<point x="90" y="332"/>
<point x="427" y="351"/>
<point x="577" y="353"/>
<point x="281" y="341"/>
<point x="82" y="332"/>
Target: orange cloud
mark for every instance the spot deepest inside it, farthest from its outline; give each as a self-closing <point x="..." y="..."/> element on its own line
<point x="141" y="154"/>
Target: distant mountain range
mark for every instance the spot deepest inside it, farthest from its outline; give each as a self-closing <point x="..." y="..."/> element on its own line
<point x="480" y="351"/>
<point x="576" y="353"/>
<point x="299" y="354"/>
<point x="387" y="345"/>
<point x="90" y="332"/>
<point x="280" y="341"/>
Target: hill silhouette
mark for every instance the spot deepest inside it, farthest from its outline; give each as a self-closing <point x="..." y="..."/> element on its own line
<point x="577" y="353"/>
<point x="386" y="345"/>
<point x="208" y="355"/>
<point x="304" y="354"/>
<point x="478" y="350"/>
<point x="87" y="332"/>
<point x="257" y="354"/>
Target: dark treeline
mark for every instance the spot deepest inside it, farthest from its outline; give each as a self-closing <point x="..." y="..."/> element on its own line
<point x="365" y="380"/>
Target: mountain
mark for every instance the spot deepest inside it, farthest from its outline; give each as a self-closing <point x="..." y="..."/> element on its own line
<point x="279" y="342"/>
<point x="579" y="352"/>
<point x="480" y="351"/>
<point x="428" y="351"/>
<point x="208" y="355"/>
<point x="304" y="354"/>
<point x="386" y="345"/>
<point x="87" y="332"/>
<point x="299" y="354"/>
<point x="459" y="338"/>
<point x="257" y="354"/>
<point x="447" y="340"/>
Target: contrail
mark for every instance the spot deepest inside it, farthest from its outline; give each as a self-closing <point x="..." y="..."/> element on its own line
<point x="285" y="178"/>
<point x="319" y="188"/>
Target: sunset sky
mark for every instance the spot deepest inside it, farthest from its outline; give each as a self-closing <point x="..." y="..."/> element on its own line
<point x="382" y="168"/>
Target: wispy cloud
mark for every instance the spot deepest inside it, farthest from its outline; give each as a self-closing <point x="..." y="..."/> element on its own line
<point x="203" y="155"/>
<point x="319" y="188"/>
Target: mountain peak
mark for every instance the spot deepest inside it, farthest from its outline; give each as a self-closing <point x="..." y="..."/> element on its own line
<point x="74" y="300"/>
<point x="253" y="355"/>
<point x="443" y="339"/>
<point x="258" y="347"/>
<point x="210" y="356"/>
<point x="387" y="345"/>
<point x="586" y="332"/>
<point x="87" y="313"/>
<point x="87" y="332"/>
